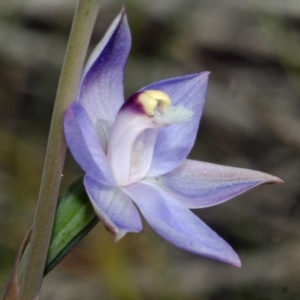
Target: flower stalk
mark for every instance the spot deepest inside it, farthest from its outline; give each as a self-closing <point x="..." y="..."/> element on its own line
<point x="84" y="19"/>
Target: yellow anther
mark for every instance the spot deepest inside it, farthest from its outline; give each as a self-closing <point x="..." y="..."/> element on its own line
<point x="151" y="100"/>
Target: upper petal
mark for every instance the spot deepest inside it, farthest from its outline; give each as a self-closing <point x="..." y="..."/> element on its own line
<point x="175" y="142"/>
<point x="175" y="223"/>
<point x="113" y="207"/>
<point x="85" y="145"/>
<point x="199" y="184"/>
<point x="101" y="92"/>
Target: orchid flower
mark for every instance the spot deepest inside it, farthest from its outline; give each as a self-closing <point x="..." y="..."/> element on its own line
<point x="134" y="152"/>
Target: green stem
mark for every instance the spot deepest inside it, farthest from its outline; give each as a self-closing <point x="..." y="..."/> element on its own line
<point x="84" y="19"/>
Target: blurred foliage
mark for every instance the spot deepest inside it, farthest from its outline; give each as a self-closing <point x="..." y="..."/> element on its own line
<point x="251" y="120"/>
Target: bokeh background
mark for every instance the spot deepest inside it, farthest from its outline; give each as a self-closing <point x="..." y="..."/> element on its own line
<point x="251" y="120"/>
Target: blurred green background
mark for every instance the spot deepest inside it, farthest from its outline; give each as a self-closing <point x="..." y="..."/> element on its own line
<point x="251" y="120"/>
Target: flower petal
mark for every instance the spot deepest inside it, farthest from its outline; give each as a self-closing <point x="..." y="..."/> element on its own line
<point x="114" y="208"/>
<point x="101" y="91"/>
<point x="199" y="184"/>
<point x="85" y="145"/>
<point x="175" y="142"/>
<point x="131" y="143"/>
<point x="175" y="223"/>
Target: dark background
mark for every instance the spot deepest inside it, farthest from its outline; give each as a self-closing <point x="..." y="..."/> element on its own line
<point x="251" y="120"/>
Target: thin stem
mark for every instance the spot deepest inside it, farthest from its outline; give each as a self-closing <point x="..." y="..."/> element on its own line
<point x="84" y="19"/>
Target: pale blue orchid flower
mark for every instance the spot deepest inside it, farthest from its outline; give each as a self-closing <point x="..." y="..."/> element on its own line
<point x="134" y="153"/>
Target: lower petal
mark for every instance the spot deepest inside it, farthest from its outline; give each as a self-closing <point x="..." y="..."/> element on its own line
<point x="113" y="207"/>
<point x="199" y="184"/>
<point x="176" y="224"/>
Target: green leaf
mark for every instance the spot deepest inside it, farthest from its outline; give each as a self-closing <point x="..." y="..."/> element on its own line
<point x="74" y="219"/>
